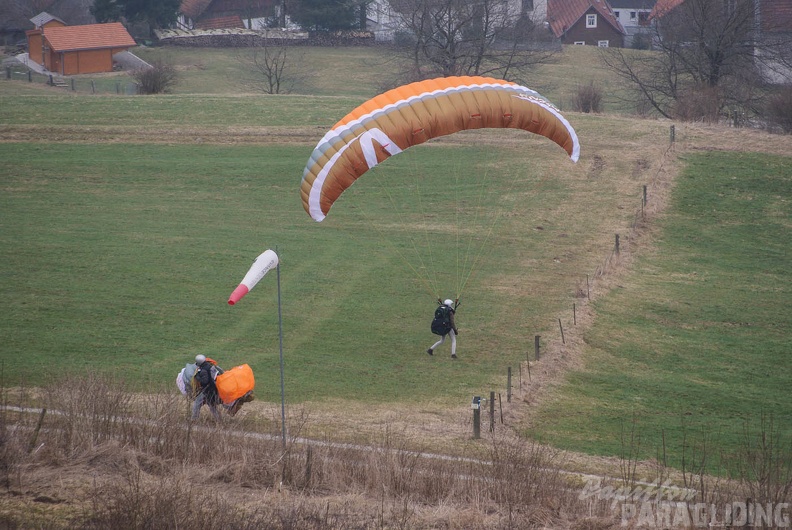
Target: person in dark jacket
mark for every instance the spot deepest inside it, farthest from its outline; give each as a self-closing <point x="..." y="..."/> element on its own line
<point x="449" y="328"/>
<point x="206" y="391"/>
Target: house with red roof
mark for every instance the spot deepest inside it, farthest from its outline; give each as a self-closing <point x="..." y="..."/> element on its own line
<point x="222" y="14"/>
<point x="70" y="50"/>
<point x="585" y="22"/>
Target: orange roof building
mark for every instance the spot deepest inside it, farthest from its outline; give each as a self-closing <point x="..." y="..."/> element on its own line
<point x="70" y="50"/>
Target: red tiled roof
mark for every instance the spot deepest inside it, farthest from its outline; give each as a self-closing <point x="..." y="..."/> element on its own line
<point x="662" y="7"/>
<point x="220" y="23"/>
<point x="194" y="8"/>
<point x="91" y="36"/>
<point x="563" y="14"/>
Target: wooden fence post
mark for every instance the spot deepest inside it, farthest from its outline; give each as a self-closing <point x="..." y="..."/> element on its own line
<point x="492" y="411"/>
<point x="508" y="385"/>
<point x="617" y="244"/>
<point x="536" y="347"/>
<point x="476" y="417"/>
<point x="562" y="331"/>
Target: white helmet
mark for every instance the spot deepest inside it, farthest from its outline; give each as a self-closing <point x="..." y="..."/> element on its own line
<point x="448" y="302"/>
<point x="200" y="359"/>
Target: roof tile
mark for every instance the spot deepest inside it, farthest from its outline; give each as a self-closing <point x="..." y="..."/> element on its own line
<point x="87" y="37"/>
<point x="563" y="14"/>
<point x="220" y="23"/>
<point x="194" y="8"/>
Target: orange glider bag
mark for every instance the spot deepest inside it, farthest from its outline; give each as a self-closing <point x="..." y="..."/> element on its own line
<point x="234" y="383"/>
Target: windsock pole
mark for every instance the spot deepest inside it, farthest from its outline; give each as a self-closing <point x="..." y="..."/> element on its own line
<point x="264" y="263"/>
<point x="280" y="346"/>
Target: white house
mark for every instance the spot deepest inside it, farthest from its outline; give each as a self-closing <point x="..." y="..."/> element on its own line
<point x="385" y="22"/>
<point x="633" y="16"/>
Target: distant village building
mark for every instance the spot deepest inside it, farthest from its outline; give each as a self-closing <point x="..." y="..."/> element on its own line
<point x="585" y="22"/>
<point x="633" y="15"/>
<point x="70" y="50"/>
<point x="227" y="14"/>
<point x="385" y="21"/>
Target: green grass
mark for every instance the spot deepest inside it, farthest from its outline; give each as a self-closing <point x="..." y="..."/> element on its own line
<point x="121" y="257"/>
<point x="351" y="72"/>
<point x="698" y="341"/>
<point x="64" y="109"/>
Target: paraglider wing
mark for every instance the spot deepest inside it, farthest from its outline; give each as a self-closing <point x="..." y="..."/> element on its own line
<point x="412" y="114"/>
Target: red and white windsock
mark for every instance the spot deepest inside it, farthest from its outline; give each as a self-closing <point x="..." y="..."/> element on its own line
<point x="266" y="261"/>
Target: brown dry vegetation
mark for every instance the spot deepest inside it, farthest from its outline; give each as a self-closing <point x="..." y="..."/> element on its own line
<point x="131" y="461"/>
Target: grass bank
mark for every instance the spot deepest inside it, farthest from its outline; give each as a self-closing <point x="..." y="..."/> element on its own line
<point x="693" y="347"/>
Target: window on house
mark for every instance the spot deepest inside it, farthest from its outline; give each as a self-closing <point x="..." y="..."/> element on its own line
<point x="580" y="43"/>
<point x="616" y="14"/>
<point x="602" y="43"/>
<point x="527" y="5"/>
<point x="632" y="15"/>
<point x="643" y="18"/>
<point x="591" y="21"/>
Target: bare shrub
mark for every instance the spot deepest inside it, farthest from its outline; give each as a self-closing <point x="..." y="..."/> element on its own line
<point x="524" y="479"/>
<point x="158" y="79"/>
<point x="90" y="410"/>
<point x="12" y="452"/>
<point x="588" y="98"/>
<point x="137" y="500"/>
<point x="702" y="103"/>
<point x="764" y="462"/>
<point x="779" y="109"/>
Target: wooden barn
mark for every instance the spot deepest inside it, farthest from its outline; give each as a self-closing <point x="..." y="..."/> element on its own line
<point x="70" y="50"/>
<point x="35" y="39"/>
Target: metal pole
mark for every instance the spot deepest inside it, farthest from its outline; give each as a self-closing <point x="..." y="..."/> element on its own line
<point x="280" y="338"/>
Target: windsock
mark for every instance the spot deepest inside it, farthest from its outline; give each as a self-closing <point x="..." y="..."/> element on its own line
<point x="266" y="261"/>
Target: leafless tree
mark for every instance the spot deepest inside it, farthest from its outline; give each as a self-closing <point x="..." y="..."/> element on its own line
<point x="274" y="66"/>
<point x="464" y="37"/>
<point x="73" y="12"/>
<point x="708" y="59"/>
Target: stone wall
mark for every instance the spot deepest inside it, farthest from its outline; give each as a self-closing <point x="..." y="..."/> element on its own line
<point x="243" y="38"/>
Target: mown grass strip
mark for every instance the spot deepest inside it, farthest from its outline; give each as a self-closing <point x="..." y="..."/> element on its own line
<point x="697" y="341"/>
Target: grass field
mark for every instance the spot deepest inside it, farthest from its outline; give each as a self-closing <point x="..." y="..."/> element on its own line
<point x="127" y="220"/>
<point x="696" y="342"/>
<point x="120" y="257"/>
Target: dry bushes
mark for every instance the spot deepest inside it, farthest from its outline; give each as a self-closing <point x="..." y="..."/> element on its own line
<point x="699" y="104"/>
<point x="779" y="109"/>
<point x="104" y="458"/>
<point x="158" y="79"/>
<point x="588" y="98"/>
<point x="127" y="463"/>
